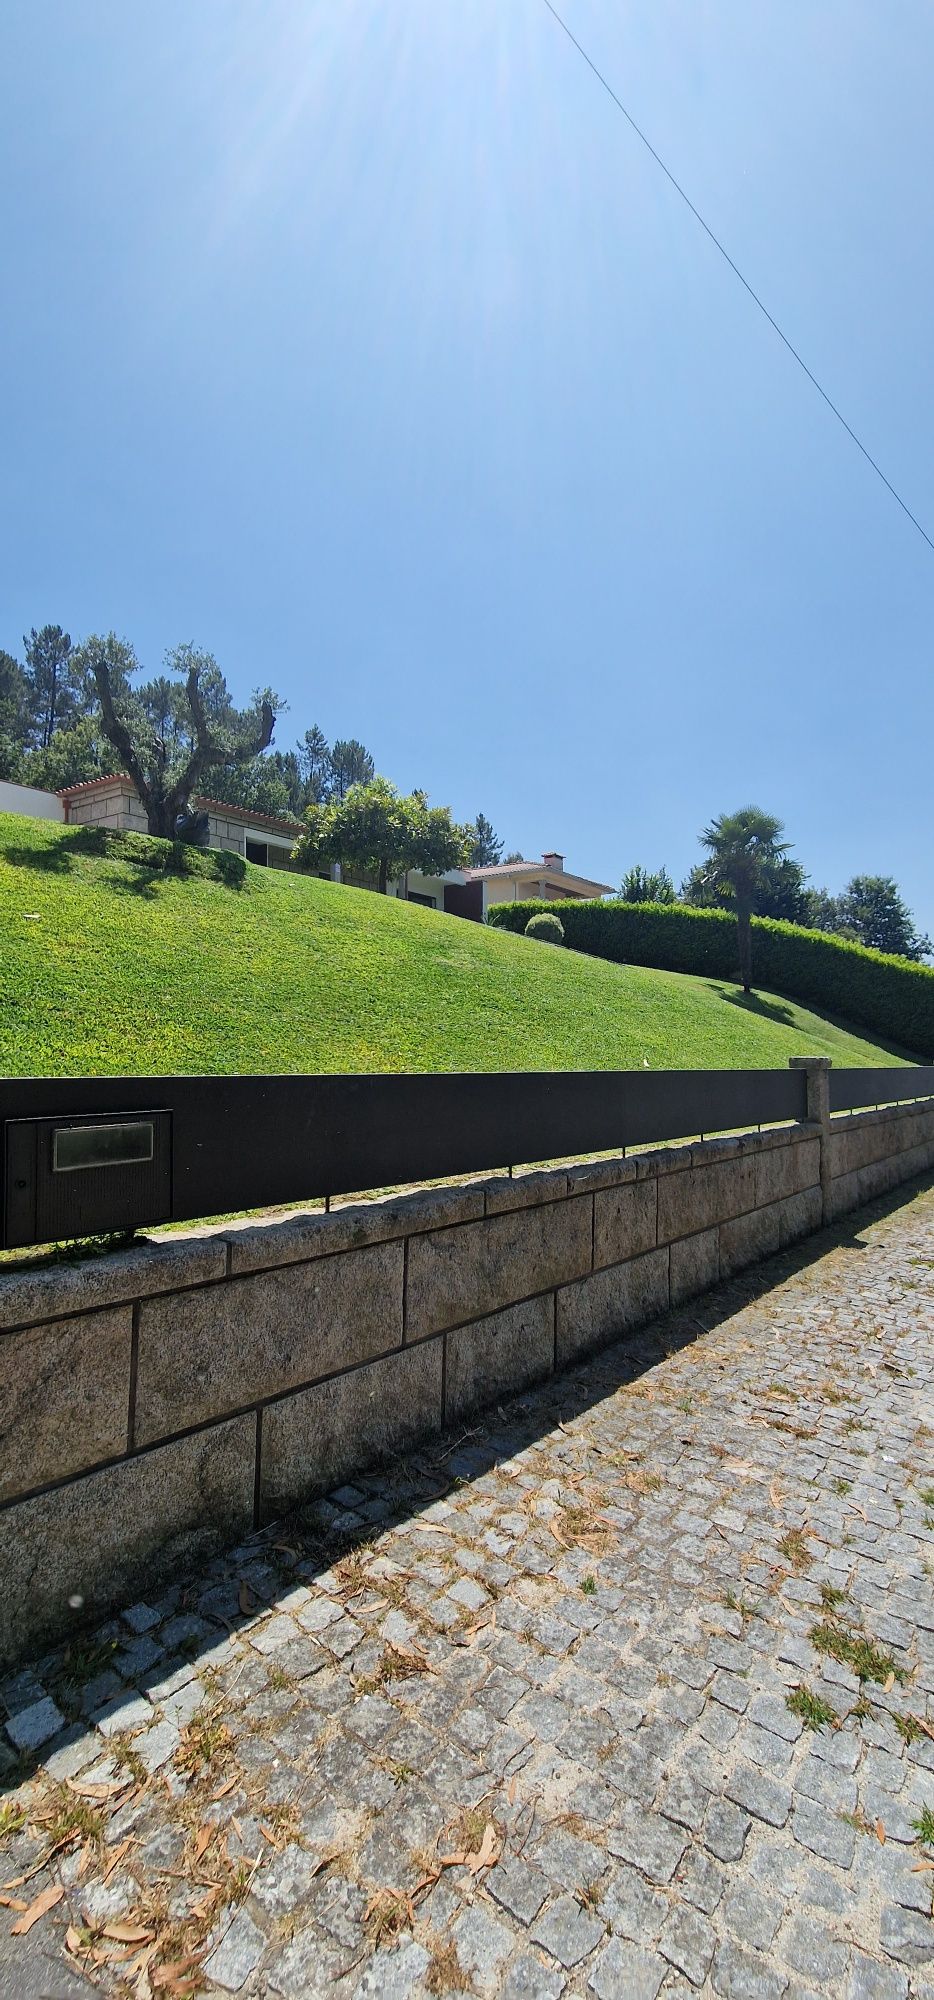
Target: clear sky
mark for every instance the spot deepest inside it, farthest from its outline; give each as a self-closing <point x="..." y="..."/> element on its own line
<point x="360" y="342"/>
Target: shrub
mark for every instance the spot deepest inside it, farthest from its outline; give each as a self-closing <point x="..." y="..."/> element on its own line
<point x="547" y="927"/>
<point x="892" y="997"/>
<point x="163" y="857"/>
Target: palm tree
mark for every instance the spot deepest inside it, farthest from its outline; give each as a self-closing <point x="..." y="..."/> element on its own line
<point x="743" y="847"/>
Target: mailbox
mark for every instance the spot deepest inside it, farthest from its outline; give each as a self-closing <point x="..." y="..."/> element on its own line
<point x="66" y="1177"/>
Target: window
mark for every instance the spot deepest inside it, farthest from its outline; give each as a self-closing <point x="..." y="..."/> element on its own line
<point x="428" y="901"/>
<point x="257" y="850"/>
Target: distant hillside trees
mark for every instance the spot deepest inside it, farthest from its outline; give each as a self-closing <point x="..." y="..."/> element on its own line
<point x="646" y="885"/>
<point x="871" y="910"/>
<point x="485" y="846"/>
<point x="53" y="733"/>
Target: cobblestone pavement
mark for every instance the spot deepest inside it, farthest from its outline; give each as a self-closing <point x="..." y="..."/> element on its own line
<point x="630" y="1691"/>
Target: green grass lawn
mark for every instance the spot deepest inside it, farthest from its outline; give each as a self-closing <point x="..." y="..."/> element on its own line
<point x="108" y="968"/>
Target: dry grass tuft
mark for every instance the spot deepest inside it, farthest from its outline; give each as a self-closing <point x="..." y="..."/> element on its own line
<point x="445" y="1973"/>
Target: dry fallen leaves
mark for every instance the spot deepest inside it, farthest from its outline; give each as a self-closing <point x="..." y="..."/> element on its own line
<point x="98" y="1792"/>
<point x="43" y="1903"/>
<point x="177" y="1978"/>
<point x="489" y="1850"/>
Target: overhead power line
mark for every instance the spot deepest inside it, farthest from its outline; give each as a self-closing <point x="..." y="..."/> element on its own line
<point x="734" y="267"/>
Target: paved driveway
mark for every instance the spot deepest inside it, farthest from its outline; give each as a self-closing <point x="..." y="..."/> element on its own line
<point x="629" y="1692"/>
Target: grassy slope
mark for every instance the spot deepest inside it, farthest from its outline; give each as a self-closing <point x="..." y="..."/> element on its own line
<point x="107" y="970"/>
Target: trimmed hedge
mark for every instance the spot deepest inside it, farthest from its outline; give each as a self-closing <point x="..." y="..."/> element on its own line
<point x="890" y="996"/>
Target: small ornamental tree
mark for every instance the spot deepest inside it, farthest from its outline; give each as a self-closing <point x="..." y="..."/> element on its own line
<point x="438" y="843"/>
<point x="377" y="829"/>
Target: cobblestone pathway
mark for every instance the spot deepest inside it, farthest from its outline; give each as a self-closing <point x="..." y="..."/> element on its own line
<point x="630" y="1692"/>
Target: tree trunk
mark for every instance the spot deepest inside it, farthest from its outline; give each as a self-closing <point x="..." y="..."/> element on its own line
<point x="744" y="943"/>
<point x="160" y="814"/>
<point x="49" y="728"/>
<point x="383" y="884"/>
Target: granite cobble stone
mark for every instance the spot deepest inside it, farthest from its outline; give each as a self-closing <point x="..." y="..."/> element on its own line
<point x="515" y="1710"/>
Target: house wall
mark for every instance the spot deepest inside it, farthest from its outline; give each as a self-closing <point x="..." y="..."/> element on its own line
<point x="416" y="884"/>
<point x="509" y="889"/>
<point x="523" y="888"/>
<point x="156" y="1403"/>
<point x="28" y="800"/>
<point x="119" y="808"/>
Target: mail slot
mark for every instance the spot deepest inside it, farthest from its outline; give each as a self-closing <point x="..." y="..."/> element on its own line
<point x="79" y="1148"/>
<point x="67" y="1177"/>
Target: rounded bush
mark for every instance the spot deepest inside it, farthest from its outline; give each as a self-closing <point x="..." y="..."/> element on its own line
<point x="548" y="928"/>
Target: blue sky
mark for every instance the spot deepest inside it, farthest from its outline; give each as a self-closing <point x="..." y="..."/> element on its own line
<point x="361" y="343"/>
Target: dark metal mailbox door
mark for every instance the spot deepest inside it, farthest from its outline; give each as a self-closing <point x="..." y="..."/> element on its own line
<point x="68" y="1177"/>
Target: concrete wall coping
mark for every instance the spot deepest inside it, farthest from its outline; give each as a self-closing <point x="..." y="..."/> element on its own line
<point x="885" y="1114"/>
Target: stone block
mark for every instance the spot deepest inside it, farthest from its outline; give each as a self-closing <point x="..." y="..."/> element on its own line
<point x="205" y="1353"/>
<point x="919" y="1161"/>
<point x="313" y="1440"/>
<point x="709" y="1152"/>
<point x="799" y="1215"/>
<point x="29" y="1296"/>
<point x="610" y="1303"/>
<point x="624" y="1222"/>
<point x="102" y="1537"/>
<point x="844" y="1194"/>
<point x="592" y="1174"/>
<point x="460" y="1274"/>
<point x="786" y="1170"/>
<point x="695" y="1265"/>
<point x="705" y="1195"/>
<point x="64" y="1398"/>
<point x="658" y="1160"/>
<point x="880" y="1176"/>
<point x="525" y="1190"/>
<point x="748" y="1238"/>
<point x="498" y="1356"/>
<point x="296" y="1239"/>
<point x="838" y="1146"/>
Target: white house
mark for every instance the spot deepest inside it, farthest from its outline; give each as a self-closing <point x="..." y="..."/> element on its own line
<point x="26" y="799"/>
<point x="470" y="892"/>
